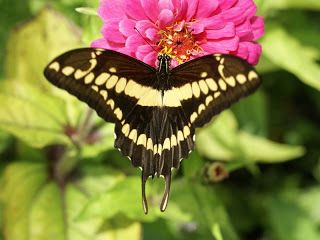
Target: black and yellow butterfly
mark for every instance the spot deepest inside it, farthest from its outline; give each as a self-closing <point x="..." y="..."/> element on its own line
<point x="155" y="111"/>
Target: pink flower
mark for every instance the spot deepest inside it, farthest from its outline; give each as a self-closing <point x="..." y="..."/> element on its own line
<point x="184" y="29"/>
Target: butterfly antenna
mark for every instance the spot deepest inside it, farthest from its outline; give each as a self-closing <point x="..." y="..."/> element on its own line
<point x="146" y="40"/>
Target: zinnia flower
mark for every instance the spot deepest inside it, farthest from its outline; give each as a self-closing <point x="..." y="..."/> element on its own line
<point x="184" y="29"/>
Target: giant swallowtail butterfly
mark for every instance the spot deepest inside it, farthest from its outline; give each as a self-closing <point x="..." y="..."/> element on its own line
<point x="155" y="111"/>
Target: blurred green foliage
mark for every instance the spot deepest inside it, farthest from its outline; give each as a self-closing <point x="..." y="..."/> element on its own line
<point x="60" y="177"/>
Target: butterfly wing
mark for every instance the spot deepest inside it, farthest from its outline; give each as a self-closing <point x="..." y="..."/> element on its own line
<point x="208" y="85"/>
<point x="120" y="89"/>
<point x="109" y="82"/>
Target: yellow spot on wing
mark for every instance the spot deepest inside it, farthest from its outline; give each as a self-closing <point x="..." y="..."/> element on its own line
<point x="113" y="70"/>
<point x="170" y="98"/>
<point x="68" y="70"/>
<point x="217" y="94"/>
<point x="193" y="117"/>
<point x="173" y="141"/>
<point x="110" y="103"/>
<point x="209" y="99"/>
<point x="222" y="84"/>
<point x="201" y="108"/>
<point x="159" y="147"/>
<point x="89" y="78"/>
<point x="204" y="74"/>
<point x="118" y="113"/>
<point x="149" y="144"/>
<point x="81" y="73"/>
<point x="102" y="78"/>
<point x="185" y="92"/>
<point x="104" y="94"/>
<point x="112" y="81"/>
<point x="142" y="140"/>
<point x="166" y="144"/>
<point x="252" y="75"/>
<point x="212" y="84"/>
<point x="186" y="131"/>
<point x="204" y="87"/>
<point x="180" y="136"/>
<point x="55" y="66"/>
<point x="126" y="129"/>
<point x="152" y="98"/>
<point x="133" y="135"/>
<point x="121" y="85"/>
<point x="95" y="88"/>
<point x="196" y="89"/>
<point x="241" y="78"/>
<point x="231" y="81"/>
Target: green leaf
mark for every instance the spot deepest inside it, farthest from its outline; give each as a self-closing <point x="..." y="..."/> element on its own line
<point x="22" y="182"/>
<point x="51" y="33"/>
<point x="251" y="114"/>
<point x="289" y="221"/>
<point x="105" y="142"/>
<point x="266" y="5"/>
<point x="262" y="150"/>
<point x="288" y="53"/>
<point x="218" y="139"/>
<point x="206" y="211"/>
<point x="87" y="11"/>
<point x="33" y="113"/>
<point x="91" y="228"/>
<point x="125" y="198"/>
<point x="47" y="214"/>
<point x="309" y="201"/>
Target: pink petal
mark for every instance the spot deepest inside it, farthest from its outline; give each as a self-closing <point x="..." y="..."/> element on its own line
<point x="165" y="4"/>
<point x="258" y="27"/>
<point x="143" y="25"/>
<point x="222" y="45"/>
<point x="150" y="58"/>
<point x="223" y="4"/>
<point x="134" y="41"/>
<point x="111" y="9"/>
<point x="192" y="8"/>
<point x="111" y="31"/>
<point x="145" y="49"/>
<point x="181" y="7"/>
<point x="165" y="18"/>
<point x="196" y="27"/>
<point x="179" y="26"/>
<point x="126" y="27"/>
<point x="214" y="22"/>
<point x="244" y="29"/>
<point x="100" y="43"/>
<point x="151" y="9"/>
<point x="254" y="52"/>
<point x="226" y="32"/>
<point x="134" y="10"/>
<point x="152" y="34"/>
<point x="206" y="8"/>
<point x="126" y="51"/>
<point x="242" y="51"/>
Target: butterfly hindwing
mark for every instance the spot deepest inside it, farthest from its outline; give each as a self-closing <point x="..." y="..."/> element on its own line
<point x="208" y="85"/>
<point x="155" y="139"/>
<point x="109" y="82"/>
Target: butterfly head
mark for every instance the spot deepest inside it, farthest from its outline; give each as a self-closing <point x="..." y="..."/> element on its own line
<point x="164" y="61"/>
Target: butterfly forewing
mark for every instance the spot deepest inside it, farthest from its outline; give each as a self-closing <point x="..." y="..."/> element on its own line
<point x="108" y="81"/>
<point x="207" y="85"/>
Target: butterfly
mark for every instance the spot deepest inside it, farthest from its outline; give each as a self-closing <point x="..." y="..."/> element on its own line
<point x="155" y="110"/>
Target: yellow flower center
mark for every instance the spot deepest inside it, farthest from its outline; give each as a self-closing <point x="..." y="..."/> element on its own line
<point x="178" y="43"/>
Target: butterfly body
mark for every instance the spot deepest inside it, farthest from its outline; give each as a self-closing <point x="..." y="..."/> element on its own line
<point x="155" y="110"/>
